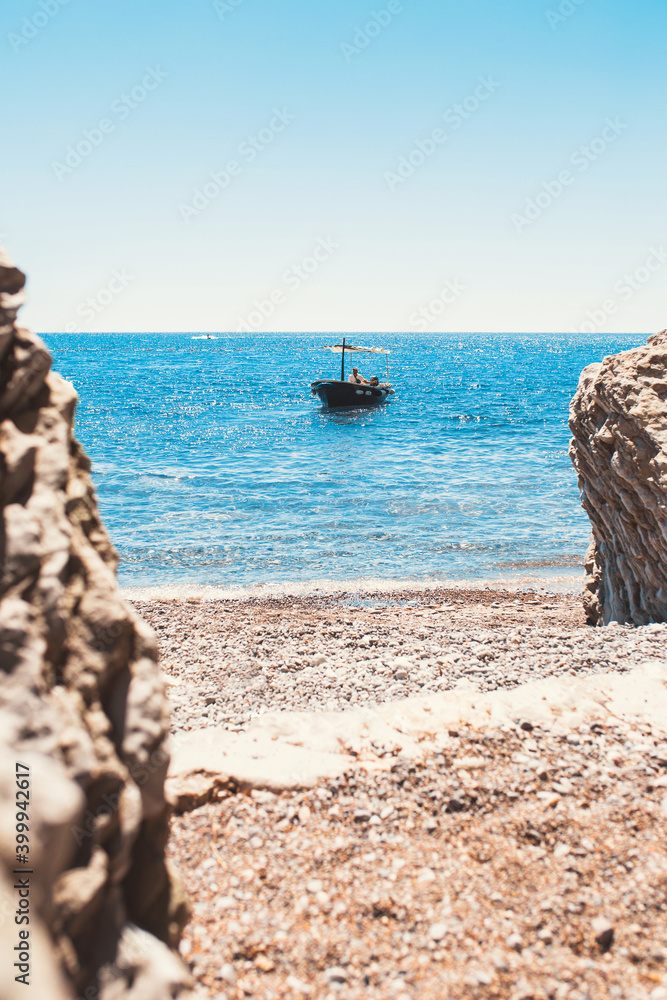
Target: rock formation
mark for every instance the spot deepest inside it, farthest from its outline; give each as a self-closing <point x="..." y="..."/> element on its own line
<point x="619" y="421"/>
<point x="82" y="711"/>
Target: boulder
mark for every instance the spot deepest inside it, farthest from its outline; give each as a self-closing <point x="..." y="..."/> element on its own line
<point x="83" y="713"/>
<point x="618" y="419"/>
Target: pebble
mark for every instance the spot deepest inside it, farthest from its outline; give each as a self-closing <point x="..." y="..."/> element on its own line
<point x="482" y="978"/>
<point x="297" y="986"/>
<point x="335" y="974"/>
<point x="227" y="973"/>
<point x="603" y="929"/>
<point x="500" y="963"/>
<point x="437" y="932"/>
<point x="469" y="763"/>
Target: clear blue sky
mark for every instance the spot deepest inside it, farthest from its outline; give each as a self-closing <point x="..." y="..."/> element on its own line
<point x="338" y="98"/>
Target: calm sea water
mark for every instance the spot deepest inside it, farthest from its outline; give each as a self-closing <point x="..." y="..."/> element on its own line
<point x="213" y="464"/>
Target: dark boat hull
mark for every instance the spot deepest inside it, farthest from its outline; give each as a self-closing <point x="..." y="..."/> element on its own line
<point x="337" y="394"/>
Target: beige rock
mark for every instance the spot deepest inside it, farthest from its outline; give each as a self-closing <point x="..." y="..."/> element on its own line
<point x="82" y="706"/>
<point x="618" y="419"/>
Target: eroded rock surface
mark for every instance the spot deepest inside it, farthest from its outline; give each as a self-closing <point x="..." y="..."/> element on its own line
<point x="82" y="706"/>
<point x="618" y="418"/>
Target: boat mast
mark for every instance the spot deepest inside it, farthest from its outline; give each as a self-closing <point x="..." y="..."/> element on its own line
<point x="342" y="362"/>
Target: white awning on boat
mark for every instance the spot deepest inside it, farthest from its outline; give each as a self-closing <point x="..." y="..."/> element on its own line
<point x="338" y="349"/>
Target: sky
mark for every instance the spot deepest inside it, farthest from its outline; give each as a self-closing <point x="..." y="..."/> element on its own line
<point x="336" y="165"/>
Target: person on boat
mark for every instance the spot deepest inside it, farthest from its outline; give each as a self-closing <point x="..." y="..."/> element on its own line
<point x="356" y="378"/>
<point x="375" y="382"/>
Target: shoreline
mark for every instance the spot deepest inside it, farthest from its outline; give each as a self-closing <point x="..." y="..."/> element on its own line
<point x="228" y="661"/>
<point x="561" y="583"/>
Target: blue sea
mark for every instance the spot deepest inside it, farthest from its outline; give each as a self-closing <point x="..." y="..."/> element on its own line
<point x="213" y="464"/>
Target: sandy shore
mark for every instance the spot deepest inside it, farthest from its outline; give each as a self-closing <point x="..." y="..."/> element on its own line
<point x="231" y="661"/>
<point x="515" y="864"/>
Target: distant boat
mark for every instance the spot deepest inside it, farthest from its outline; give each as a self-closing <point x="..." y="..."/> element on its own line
<point x="341" y="393"/>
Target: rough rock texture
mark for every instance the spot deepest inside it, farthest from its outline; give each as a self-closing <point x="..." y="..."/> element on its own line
<point x="619" y="421"/>
<point x="81" y="705"/>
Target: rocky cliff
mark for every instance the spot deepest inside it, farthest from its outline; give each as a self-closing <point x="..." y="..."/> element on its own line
<point x="618" y="419"/>
<point x="83" y="717"/>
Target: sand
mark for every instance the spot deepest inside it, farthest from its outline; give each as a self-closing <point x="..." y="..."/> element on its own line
<point x="503" y="858"/>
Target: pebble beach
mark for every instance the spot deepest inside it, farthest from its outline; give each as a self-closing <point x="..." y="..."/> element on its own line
<point x="517" y="863"/>
<point x="228" y="662"/>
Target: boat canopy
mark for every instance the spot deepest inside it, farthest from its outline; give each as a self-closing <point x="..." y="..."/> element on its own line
<point x="338" y="349"/>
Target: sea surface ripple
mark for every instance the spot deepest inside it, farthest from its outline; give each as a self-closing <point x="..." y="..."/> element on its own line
<point x="213" y="464"/>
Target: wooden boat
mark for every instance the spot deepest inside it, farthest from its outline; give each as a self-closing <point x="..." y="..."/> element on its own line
<point x="341" y="393"/>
